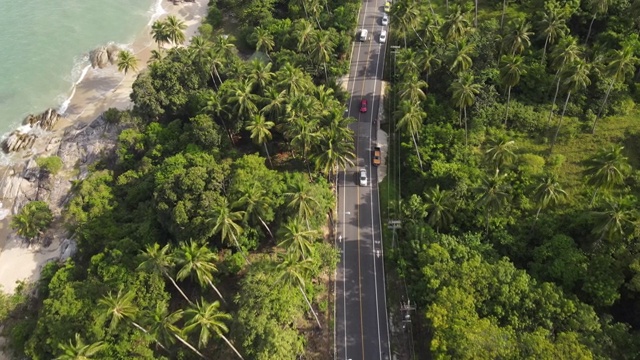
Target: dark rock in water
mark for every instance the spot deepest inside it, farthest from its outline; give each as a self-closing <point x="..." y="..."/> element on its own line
<point x="104" y="55"/>
<point x="17" y="141"/>
<point x="45" y="121"/>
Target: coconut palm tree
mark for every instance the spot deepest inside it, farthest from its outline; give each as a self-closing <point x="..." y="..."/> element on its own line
<point x="463" y="92"/>
<point x="175" y="29"/>
<point x="163" y="328"/>
<point x="411" y="89"/>
<point x="428" y="61"/>
<point x="614" y="222"/>
<point x="264" y="40"/>
<point x="159" y="33"/>
<point x="511" y="68"/>
<point x="548" y="192"/>
<point x="275" y="103"/>
<point x="456" y="26"/>
<point x="260" y="75"/>
<point x="500" y="153"/>
<point x="195" y="259"/>
<point x="517" y="39"/>
<point x="410" y="118"/>
<point x="243" y="100"/>
<point x="493" y="195"/>
<point x="303" y="31"/>
<point x="127" y="61"/>
<point x="408" y="61"/>
<point x="576" y="79"/>
<point x="460" y="54"/>
<point x="440" y="206"/>
<point x="293" y="271"/>
<point x="157" y="259"/>
<point x="256" y="203"/>
<point x="293" y="80"/>
<point x="607" y="169"/>
<point x="297" y="239"/>
<point x="621" y="64"/>
<point x="32" y="219"/>
<point x="565" y="53"/>
<point x="209" y="320"/>
<point x="333" y="150"/>
<point x="302" y="201"/>
<point x="260" y="129"/>
<point x="322" y="48"/>
<point x="598" y="7"/>
<point x="225" y="222"/>
<point x="80" y="350"/>
<point x="553" y="26"/>
<point x="116" y="308"/>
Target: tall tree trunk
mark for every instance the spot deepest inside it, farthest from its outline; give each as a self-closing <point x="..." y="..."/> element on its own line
<point x="178" y="287"/>
<point x="326" y="74"/>
<point x="593" y="198"/>
<point x="538" y="212"/>
<point x="415" y="143"/>
<point x="240" y="249"/>
<point x="137" y="326"/>
<point x="466" y="128"/>
<point x="231" y="346"/>
<point x="310" y="307"/>
<point x="217" y="291"/>
<point x="604" y="103"/>
<point x="590" y="25"/>
<point x="544" y="50"/>
<point x="559" y="123"/>
<point x="504" y="8"/>
<point x="475" y="19"/>
<point x="506" y="114"/>
<point x="555" y="97"/>
<point x="265" y="226"/>
<point x="447" y="4"/>
<point x="268" y="156"/>
<point x="188" y="345"/>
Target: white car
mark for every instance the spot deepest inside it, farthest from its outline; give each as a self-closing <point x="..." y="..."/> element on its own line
<point x="385" y="20"/>
<point x="383" y="36"/>
<point x="363" y="177"/>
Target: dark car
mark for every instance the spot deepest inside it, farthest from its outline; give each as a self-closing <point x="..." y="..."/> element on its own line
<point x="363" y="106"/>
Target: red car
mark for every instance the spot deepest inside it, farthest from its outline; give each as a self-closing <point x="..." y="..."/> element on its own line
<point x="363" y="106"/>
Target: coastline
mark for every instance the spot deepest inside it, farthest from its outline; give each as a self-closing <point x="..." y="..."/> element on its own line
<point x="98" y="90"/>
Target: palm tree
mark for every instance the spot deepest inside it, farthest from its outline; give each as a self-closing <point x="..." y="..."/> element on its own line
<point x="210" y="320"/>
<point x="119" y="307"/>
<point x="548" y="192"/>
<point x="226" y="223"/>
<point x="493" y="195"/>
<point x="292" y="79"/>
<point x="159" y="33"/>
<point x="606" y="169"/>
<point x="127" y="61"/>
<point x="195" y="259"/>
<point x="598" y="7"/>
<point x="260" y="129"/>
<point x="511" y="68"/>
<point x="614" y="222"/>
<point x="428" y="61"/>
<point x="440" y="206"/>
<point x="156" y="259"/>
<point x="334" y="150"/>
<point x="322" y="48"/>
<point x="517" y="40"/>
<point x="464" y="92"/>
<point x="411" y="89"/>
<point x="260" y="74"/>
<point x="80" y="350"/>
<point x="460" y="55"/>
<point x="304" y="29"/>
<point x="175" y="29"/>
<point x="32" y="219"/>
<point x="457" y="25"/>
<point x="275" y="103"/>
<point x="621" y="64"/>
<point x="577" y="78"/>
<point x="256" y="203"/>
<point x="243" y="99"/>
<point x="302" y="201"/>
<point x="156" y="55"/>
<point x="264" y="40"/>
<point x="296" y="239"/>
<point x="163" y="328"/>
<point x="565" y="53"/>
<point x="500" y="153"/>
<point x="553" y="26"/>
<point x="293" y="272"/>
<point x="410" y="120"/>
<point x="408" y="61"/>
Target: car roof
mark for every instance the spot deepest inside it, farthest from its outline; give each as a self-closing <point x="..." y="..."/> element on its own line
<point x="383" y="32"/>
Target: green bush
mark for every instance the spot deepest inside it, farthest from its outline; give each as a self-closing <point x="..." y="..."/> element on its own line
<point x="50" y="164"/>
<point x="112" y="116"/>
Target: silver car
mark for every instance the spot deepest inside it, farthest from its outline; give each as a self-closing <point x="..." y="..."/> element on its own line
<point x="385" y="20"/>
<point x="363" y="177"/>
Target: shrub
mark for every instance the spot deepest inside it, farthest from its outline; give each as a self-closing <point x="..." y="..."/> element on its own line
<point x="50" y="164"/>
<point x="531" y="164"/>
<point x="111" y="116"/>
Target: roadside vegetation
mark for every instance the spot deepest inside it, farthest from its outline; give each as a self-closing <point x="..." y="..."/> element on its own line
<point x="205" y="231"/>
<point x="516" y="172"/>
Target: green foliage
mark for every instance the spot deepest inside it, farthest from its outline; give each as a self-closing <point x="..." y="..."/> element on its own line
<point x="32" y="219"/>
<point x="50" y="164"/>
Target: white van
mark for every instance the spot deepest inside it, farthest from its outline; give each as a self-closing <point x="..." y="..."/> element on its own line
<point x="364" y="34"/>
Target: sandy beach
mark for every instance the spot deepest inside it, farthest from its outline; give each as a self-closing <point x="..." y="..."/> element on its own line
<point x="100" y="90"/>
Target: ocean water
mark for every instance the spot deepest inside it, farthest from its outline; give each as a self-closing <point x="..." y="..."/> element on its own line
<point x="44" y="47"/>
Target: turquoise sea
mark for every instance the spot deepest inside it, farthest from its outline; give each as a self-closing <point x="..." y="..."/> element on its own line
<point x="44" y="48"/>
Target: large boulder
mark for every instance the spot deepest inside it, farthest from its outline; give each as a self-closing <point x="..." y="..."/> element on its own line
<point x="45" y="121"/>
<point x="103" y="56"/>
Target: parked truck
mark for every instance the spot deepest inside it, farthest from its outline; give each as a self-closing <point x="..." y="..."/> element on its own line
<point x="377" y="156"/>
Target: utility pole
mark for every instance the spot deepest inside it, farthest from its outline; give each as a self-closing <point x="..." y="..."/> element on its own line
<point x="406" y="309"/>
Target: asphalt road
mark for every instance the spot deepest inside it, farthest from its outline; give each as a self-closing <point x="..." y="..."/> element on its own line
<point x="362" y="329"/>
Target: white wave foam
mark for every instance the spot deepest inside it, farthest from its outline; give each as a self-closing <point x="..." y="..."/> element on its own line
<point x="65" y="104"/>
<point x="156" y="12"/>
<point x="4" y="212"/>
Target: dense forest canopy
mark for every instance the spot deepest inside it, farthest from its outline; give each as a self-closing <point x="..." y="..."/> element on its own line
<point x="513" y="166"/>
